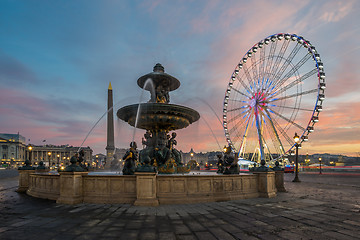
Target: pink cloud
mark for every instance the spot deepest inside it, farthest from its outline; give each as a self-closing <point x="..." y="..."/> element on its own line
<point x="37" y="119"/>
<point x="345" y="80"/>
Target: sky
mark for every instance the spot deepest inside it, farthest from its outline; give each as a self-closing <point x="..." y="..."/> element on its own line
<point x="58" y="57"/>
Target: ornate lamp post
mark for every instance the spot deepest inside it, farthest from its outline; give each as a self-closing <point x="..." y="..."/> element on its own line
<point x="320" y="165"/>
<point x="49" y="154"/>
<point x="30" y="148"/>
<point x="58" y="159"/>
<point x="297" y="144"/>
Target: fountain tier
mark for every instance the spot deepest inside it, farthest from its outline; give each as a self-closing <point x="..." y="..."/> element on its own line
<point x="158" y="116"/>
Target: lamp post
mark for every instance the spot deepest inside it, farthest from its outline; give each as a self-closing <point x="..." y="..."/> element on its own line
<point x="58" y="159"/>
<point x="320" y="165"/>
<point x="49" y="154"/>
<point x="297" y="144"/>
<point x="30" y="148"/>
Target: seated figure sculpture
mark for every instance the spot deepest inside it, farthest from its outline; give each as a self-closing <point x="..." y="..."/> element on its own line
<point x="27" y="166"/>
<point x="81" y="160"/>
<point x="130" y="159"/>
<point x="230" y="163"/>
<point x="74" y="167"/>
<point x="162" y="152"/>
<point x="41" y="166"/>
<point x="220" y="164"/>
<point x="174" y="152"/>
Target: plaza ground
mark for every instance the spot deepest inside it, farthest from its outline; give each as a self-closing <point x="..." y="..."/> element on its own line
<point x="323" y="206"/>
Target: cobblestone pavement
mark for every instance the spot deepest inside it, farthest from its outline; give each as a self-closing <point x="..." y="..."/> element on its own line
<point x="320" y="207"/>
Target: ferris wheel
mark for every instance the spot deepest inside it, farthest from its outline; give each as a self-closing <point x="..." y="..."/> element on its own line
<point x="276" y="90"/>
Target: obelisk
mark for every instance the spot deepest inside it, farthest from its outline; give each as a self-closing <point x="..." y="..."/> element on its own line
<point x="110" y="147"/>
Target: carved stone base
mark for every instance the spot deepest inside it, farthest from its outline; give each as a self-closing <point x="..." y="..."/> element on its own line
<point x="24" y="177"/>
<point x="279" y="181"/>
<point x="71" y="187"/>
<point x="146" y="189"/>
<point x="266" y="184"/>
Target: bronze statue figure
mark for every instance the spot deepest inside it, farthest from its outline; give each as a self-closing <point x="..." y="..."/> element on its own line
<point x="130" y="159"/>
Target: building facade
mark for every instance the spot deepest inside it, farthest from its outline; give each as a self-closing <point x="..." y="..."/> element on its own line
<point x="52" y="155"/>
<point x="12" y="149"/>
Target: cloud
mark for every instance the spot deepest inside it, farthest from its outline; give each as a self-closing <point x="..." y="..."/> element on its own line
<point x="57" y="120"/>
<point x="14" y="72"/>
<point x="344" y="80"/>
<point x="335" y="11"/>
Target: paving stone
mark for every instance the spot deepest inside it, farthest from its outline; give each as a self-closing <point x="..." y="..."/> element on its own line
<point x="337" y="235"/>
<point x="221" y="234"/>
<point x="186" y="237"/>
<point x="182" y="229"/>
<point x="195" y="226"/>
<point x="167" y="236"/>
<point x="205" y="236"/>
<point x="290" y="235"/>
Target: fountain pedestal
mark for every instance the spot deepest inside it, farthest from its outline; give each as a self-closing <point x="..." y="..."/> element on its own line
<point x="71" y="187"/>
<point x="266" y="184"/>
<point x="24" y="179"/>
<point x="279" y="181"/>
<point x="146" y="189"/>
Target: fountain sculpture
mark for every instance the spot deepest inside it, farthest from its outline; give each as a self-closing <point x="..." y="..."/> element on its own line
<point x="158" y="117"/>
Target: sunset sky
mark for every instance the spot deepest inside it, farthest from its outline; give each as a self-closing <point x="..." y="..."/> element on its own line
<point x="58" y="57"/>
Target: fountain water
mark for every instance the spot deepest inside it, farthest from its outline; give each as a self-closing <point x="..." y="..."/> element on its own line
<point x="96" y="123"/>
<point x="152" y="91"/>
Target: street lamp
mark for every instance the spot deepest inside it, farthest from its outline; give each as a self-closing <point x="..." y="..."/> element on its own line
<point x="320" y="165"/>
<point x="49" y="153"/>
<point x="297" y="144"/>
<point x="30" y="148"/>
<point x="58" y="159"/>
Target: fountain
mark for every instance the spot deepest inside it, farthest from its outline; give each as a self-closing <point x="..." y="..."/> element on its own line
<point x="158" y="117"/>
<point x="140" y="184"/>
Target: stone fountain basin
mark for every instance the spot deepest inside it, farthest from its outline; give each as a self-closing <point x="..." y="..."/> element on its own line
<point x="158" y="116"/>
<point x="147" y="189"/>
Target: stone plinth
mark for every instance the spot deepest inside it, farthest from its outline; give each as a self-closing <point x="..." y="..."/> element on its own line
<point x="266" y="184"/>
<point x="279" y="181"/>
<point x="24" y="179"/>
<point x="71" y="187"/>
<point x="146" y="189"/>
